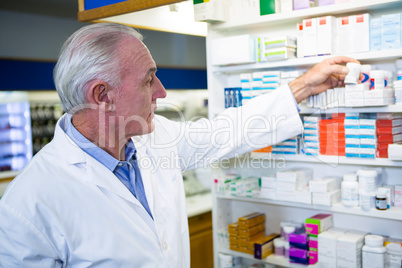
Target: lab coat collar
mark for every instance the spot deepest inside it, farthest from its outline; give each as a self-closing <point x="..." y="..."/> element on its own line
<point x="97" y="173"/>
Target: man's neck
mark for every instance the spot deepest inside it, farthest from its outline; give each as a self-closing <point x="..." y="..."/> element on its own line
<point x="100" y="132"/>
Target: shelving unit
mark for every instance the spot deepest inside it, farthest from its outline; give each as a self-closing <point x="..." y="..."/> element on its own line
<point x="395" y="213"/>
<point x="331" y="160"/>
<point x="363" y="57"/>
<point x="227" y="209"/>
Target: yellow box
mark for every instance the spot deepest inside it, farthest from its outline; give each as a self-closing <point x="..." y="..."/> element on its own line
<point x="264" y="247"/>
<point x="247" y="233"/>
<point x="250" y="220"/>
<point x="233" y="228"/>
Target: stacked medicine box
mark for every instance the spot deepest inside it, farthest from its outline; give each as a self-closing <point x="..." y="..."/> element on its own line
<point x="311" y="135"/>
<point x="368" y="136"/>
<point x="314" y="226"/>
<point x="332" y="135"/>
<point x="246" y="89"/>
<point x="289" y="146"/>
<point x="389" y="129"/>
<point x="292" y="185"/>
<point x="352" y="138"/>
<point x="276" y="48"/>
<point x="15" y="135"/>
<point x="246" y="231"/>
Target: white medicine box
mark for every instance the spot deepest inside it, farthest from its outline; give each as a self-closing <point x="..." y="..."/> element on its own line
<point x="211" y="10"/>
<point x="310" y="37"/>
<point x="344" y="31"/>
<point x="233" y="50"/>
<point x="361" y="32"/>
<point x="326" y="33"/>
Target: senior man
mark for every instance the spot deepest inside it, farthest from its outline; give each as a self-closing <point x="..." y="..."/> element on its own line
<point x="108" y="190"/>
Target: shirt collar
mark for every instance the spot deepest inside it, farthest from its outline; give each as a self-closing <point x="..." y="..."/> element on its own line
<point x="96" y="152"/>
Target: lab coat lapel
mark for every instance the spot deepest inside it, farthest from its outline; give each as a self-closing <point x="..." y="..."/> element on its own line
<point x="98" y="174"/>
<point x="146" y="174"/>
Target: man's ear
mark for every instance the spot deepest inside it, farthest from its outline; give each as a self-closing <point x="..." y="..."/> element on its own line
<point x="100" y="93"/>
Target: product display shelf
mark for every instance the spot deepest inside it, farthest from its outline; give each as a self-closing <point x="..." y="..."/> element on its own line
<point x="369" y="56"/>
<point x="8" y="174"/>
<point x="394" y="213"/>
<point x="397" y="108"/>
<point x="226" y="209"/>
<point x="331" y="160"/>
<point x="272" y="259"/>
<point x="298" y="15"/>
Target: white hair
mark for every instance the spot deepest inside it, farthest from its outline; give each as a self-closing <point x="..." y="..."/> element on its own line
<point x="89" y="54"/>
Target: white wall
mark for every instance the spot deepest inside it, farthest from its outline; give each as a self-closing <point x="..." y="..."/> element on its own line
<point x="31" y="36"/>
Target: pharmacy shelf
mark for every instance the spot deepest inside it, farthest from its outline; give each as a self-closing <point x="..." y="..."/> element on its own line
<point x="360" y="6"/>
<point x="8" y="174"/>
<point x="371" y="56"/>
<point x="394" y="213"/>
<point x="380" y="109"/>
<point x="271" y="259"/>
<point x="331" y="160"/>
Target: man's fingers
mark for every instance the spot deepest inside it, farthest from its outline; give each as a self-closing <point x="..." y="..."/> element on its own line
<point x="341" y="60"/>
<point x="337" y="69"/>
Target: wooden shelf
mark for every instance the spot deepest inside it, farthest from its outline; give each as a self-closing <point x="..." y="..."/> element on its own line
<point x="394" y="213"/>
<point x="331" y="160"/>
<point x="360" y="6"/>
<point x="372" y="56"/>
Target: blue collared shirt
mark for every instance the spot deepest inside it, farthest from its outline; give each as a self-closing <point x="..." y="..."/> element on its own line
<point x="120" y="168"/>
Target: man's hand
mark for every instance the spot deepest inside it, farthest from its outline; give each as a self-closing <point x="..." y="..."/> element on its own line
<point x="325" y="75"/>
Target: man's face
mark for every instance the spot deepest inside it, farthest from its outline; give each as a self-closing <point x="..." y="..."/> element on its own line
<point x="135" y="102"/>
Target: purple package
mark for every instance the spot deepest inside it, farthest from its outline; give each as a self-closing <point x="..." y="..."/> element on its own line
<point x="325" y="2"/>
<point x="298" y="253"/>
<point x="301" y="238"/>
<point x="301" y="4"/>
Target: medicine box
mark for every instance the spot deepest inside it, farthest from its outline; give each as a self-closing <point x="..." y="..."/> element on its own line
<point x="210" y="11"/>
<point x="326" y="28"/>
<point x="299" y="240"/>
<point x="279" y="41"/>
<point x="324" y="185"/>
<point x="398" y="196"/>
<point x="361" y="32"/>
<point x="300" y="40"/>
<point x="375" y="34"/>
<point x="327" y="248"/>
<point x="264" y="247"/>
<point x="318" y="224"/>
<point x="391" y="31"/>
<point x="345" y="34"/>
<point x="234" y="50"/>
<point x="349" y="250"/>
<point x="327" y="199"/>
<point x="310" y="37"/>
<point x="280" y="53"/>
<point x="251" y="220"/>
<point x="299" y="256"/>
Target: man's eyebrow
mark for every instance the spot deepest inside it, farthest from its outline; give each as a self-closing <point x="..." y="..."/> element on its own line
<point x="151" y="70"/>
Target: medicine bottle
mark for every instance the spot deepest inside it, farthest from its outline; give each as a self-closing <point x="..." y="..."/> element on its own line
<point x="381" y="201"/>
<point x="288" y="230"/>
<point x="352" y="77"/>
<point x="350" y="190"/>
<point x="374" y="252"/>
<point x="367" y="181"/>
<point x="377" y="79"/>
<point x="365" y="70"/>
<point x="279" y="246"/>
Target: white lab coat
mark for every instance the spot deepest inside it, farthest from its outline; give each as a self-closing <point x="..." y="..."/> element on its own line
<point x="66" y="209"/>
